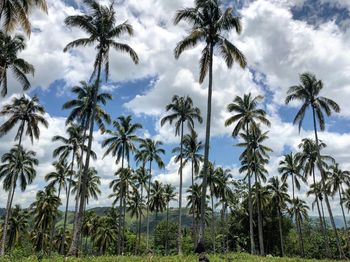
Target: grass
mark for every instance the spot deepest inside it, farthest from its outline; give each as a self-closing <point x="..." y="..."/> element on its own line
<point x="218" y="258"/>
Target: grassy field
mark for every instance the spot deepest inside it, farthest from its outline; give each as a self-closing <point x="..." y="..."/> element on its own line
<point x="217" y="258"/>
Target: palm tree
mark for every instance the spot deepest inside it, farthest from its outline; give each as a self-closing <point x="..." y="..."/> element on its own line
<point x="101" y="26"/>
<point x="150" y="151"/>
<point x="256" y="156"/>
<point x="308" y="162"/>
<point x="120" y="186"/>
<point x="209" y="24"/>
<point x="10" y="47"/>
<point x="18" y="165"/>
<point x="72" y="146"/>
<point x="157" y="201"/>
<point x="25" y="112"/>
<point x="279" y="197"/>
<point x="191" y="152"/>
<point x="141" y="178"/>
<point x="299" y="211"/>
<point x="16" y="12"/>
<point x="246" y="113"/>
<point x="169" y="195"/>
<point x="136" y="207"/>
<point x="57" y="177"/>
<point x="181" y="110"/>
<point x="18" y="226"/>
<point x="81" y="106"/>
<point x="105" y="234"/>
<point x="337" y="178"/>
<point x="45" y="210"/>
<point x="308" y="93"/>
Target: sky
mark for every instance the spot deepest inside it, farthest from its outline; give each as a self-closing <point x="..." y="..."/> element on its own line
<point x="280" y="38"/>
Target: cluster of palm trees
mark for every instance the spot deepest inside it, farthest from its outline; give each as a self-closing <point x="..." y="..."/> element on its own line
<point x="134" y="191"/>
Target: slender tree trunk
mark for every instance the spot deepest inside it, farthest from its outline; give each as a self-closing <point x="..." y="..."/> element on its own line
<point x="324" y="232"/>
<point x="2" y="5"/>
<point x="140" y="217"/>
<point x="281" y="231"/>
<point x="258" y="204"/>
<point x="86" y="240"/>
<point x="67" y="203"/>
<point x="194" y="231"/>
<point x="323" y="178"/>
<point x="7" y="218"/>
<point x="206" y="151"/>
<point x="121" y="228"/>
<point x="167" y="230"/>
<point x="297" y="224"/>
<point x="52" y="235"/>
<point x="179" y="241"/>
<point x="212" y="219"/>
<point x="149" y="187"/>
<point x="73" y="250"/>
<point x="301" y="240"/>
<point x="342" y="210"/>
<point x="251" y="227"/>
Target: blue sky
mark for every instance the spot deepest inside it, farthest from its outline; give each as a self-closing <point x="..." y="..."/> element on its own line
<point x="280" y="38"/>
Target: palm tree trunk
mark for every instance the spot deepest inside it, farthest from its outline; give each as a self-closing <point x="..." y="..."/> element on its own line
<point x="73" y="250"/>
<point x="281" y="232"/>
<point x="121" y="228"/>
<point x="52" y="235"/>
<point x="297" y="224"/>
<point x="258" y="204"/>
<point x="67" y="203"/>
<point x="213" y="219"/>
<point x="2" y="5"/>
<point x="194" y="233"/>
<point x="139" y="239"/>
<point x="167" y="230"/>
<point x="301" y="240"/>
<point x="149" y="187"/>
<point x="250" y="204"/>
<point x="179" y="241"/>
<point x="206" y="151"/>
<point x="324" y="232"/>
<point x="7" y="218"/>
<point x="323" y="177"/>
<point x="342" y="210"/>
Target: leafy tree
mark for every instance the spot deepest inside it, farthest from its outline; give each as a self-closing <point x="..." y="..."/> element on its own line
<point x="245" y="113"/>
<point x="181" y="110"/>
<point x="25" y="112"/>
<point x="18" y="165"/>
<point x="19" y="224"/>
<point x="105" y="235"/>
<point x="150" y="151"/>
<point x="10" y="47"/>
<point x="100" y="25"/>
<point x="308" y="92"/>
<point x="16" y="12"/>
<point x="209" y="23"/>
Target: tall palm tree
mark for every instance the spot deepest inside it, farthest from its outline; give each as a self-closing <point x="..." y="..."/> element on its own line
<point x="169" y="195"/>
<point x="121" y="186"/>
<point x="10" y="47"/>
<point x="299" y="211"/>
<point x="209" y="24"/>
<point x="308" y="92"/>
<point x="120" y="144"/>
<point x="18" y="165"/>
<point x="25" y="112"/>
<point x="105" y="234"/>
<point x="81" y="106"/>
<point x="308" y="161"/>
<point x="192" y="149"/>
<point x="45" y="210"/>
<point x="256" y="155"/>
<point x="71" y="147"/>
<point x="157" y="201"/>
<point x="245" y="113"/>
<point x="100" y="25"/>
<point x="336" y="180"/>
<point x="150" y="151"/>
<point x="57" y="177"/>
<point x="16" y="12"/>
<point x="181" y="110"/>
<point x="141" y="178"/>
<point x="279" y="197"/>
<point x="136" y="206"/>
<point x="19" y="224"/>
